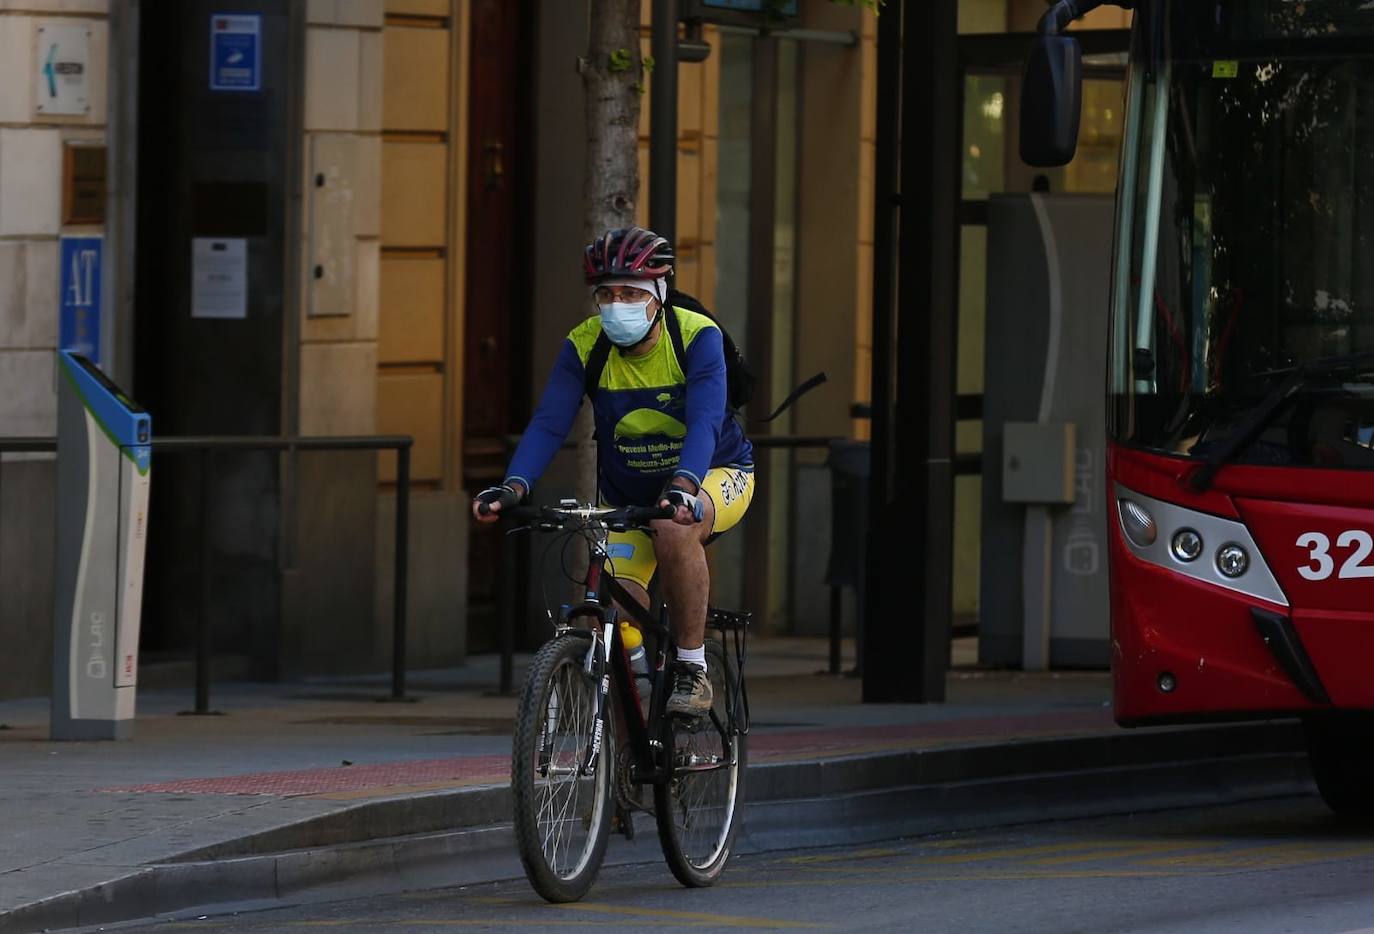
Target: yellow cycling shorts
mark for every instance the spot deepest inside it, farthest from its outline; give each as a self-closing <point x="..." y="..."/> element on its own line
<point x="730" y="489"/>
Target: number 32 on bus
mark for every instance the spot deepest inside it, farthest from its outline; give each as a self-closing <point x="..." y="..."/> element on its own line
<point x="1240" y="400"/>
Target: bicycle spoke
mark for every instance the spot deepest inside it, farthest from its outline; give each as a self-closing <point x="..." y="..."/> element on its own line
<point x="566" y="798"/>
<point x="563" y="810"/>
<point x="703" y="790"/>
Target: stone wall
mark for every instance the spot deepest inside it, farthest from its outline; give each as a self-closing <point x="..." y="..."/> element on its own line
<point x="31" y="154"/>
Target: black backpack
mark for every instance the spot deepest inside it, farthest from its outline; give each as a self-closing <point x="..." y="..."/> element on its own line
<point x="740" y="381"/>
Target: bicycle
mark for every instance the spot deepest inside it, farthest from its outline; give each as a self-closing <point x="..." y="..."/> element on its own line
<point x="581" y="701"/>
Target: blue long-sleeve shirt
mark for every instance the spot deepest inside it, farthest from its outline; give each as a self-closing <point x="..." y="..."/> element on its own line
<point x="653" y="420"/>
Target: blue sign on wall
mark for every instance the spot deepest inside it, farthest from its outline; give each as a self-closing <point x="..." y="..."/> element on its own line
<point x="235" y="52"/>
<point x="78" y="324"/>
<point x="751" y="6"/>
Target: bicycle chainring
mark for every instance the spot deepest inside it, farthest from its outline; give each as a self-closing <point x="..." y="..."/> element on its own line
<point x="628" y="792"/>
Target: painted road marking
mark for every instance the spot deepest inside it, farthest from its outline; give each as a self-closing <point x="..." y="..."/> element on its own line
<point x="1016" y="875"/>
<point x="840" y="857"/>
<point x="823" y="858"/>
<point x="659" y="915"/>
<point x="1272" y="856"/>
<point x="733" y="921"/>
<point x="1133" y="858"/>
<point x="921" y="863"/>
<point x="374" y="924"/>
<point x="976" y="875"/>
<point x="1119" y="852"/>
<point x="1024" y="852"/>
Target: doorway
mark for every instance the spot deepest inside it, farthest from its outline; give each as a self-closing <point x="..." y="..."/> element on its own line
<point x="212" y="166"/>
<point x="497" y="301"/>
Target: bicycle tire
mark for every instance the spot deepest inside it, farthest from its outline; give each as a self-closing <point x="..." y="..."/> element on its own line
<point x="557" y="689"/>
<point x="697" y="855"/>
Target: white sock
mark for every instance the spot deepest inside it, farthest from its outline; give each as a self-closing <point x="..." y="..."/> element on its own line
<point x="696" y="656"/>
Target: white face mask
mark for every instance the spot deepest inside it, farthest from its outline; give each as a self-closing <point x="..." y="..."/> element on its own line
<point x="626" y="324"/>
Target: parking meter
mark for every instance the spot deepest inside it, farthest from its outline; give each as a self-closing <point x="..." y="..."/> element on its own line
<point x="103" y="457"/>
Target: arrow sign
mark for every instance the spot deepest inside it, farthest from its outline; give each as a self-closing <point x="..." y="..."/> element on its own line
<point x="61" y="83"/>
<point x="48" y="71"/>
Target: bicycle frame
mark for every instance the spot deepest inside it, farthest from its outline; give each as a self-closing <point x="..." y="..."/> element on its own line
<point x="608" y="663"/>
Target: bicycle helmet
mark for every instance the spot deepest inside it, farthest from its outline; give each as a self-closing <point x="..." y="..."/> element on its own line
<point x="634" y="253"/>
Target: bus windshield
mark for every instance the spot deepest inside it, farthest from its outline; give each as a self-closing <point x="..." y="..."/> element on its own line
<point x="1245" y="244"/>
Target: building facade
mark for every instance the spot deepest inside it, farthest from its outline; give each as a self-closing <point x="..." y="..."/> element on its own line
<point x="395" y="186"/>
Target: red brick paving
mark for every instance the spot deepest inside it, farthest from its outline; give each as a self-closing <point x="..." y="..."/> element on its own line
<point x="826" y="743"/>
<point x="340" y="778"/>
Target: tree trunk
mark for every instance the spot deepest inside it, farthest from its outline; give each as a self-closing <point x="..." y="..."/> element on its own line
<point x="612" y="79"/>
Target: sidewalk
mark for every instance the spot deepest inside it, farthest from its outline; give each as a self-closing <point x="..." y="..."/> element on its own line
<point x="81" y="815"/>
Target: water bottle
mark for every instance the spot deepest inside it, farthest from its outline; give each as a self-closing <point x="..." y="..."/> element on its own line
<point x="639" y="662"/>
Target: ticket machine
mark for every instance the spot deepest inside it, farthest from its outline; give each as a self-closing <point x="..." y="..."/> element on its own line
<point x="1044" y="516"/>
<point x="103" y="456"/>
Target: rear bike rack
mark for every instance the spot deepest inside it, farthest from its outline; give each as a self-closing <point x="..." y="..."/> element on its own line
<point x="737" y="624"/>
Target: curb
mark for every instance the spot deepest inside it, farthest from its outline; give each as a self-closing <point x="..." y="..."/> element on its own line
<point x="464" y="836"/>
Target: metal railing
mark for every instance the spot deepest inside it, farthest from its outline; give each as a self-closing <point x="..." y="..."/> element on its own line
<point x="28" y="445"/>
<point x="204" y="446"/>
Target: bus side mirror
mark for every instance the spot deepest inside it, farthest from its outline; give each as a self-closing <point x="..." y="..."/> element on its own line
<point x="1051" y="100"/>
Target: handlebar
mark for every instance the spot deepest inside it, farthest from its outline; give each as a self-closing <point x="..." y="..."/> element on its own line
<point x="550" y="518"/>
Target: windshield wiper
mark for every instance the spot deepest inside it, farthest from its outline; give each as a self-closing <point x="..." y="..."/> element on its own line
<point x="1263" y="413"/>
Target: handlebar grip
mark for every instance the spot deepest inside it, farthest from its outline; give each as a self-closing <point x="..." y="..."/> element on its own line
<point x="649" y="513"/>
<point x="483" y="508"/>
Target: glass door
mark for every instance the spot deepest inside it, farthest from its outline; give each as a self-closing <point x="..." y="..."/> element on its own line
<point x="756" y="238"/>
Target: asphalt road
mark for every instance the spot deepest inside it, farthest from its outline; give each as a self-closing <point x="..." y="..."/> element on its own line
<point x="1284" y="865"/>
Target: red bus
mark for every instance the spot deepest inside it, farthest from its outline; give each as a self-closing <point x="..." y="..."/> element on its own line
<point x="1240" y="402"/>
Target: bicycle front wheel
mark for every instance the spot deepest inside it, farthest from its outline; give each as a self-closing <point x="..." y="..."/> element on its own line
<point x="699" y="809"/>
<point x="562" y="815"/>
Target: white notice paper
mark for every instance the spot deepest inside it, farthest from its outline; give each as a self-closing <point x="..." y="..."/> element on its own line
<point x="219" y="278"/>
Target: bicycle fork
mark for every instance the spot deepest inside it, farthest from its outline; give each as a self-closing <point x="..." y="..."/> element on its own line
<point x="599" y="658"/>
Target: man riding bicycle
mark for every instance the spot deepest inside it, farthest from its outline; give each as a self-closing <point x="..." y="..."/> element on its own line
<point x="665" y="433"/>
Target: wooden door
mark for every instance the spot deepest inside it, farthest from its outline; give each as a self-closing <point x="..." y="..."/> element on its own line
<point x="496" y="304"/>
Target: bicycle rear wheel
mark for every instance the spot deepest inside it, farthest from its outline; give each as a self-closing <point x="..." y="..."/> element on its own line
<point x="562" y="817"/>
<point x="699" y="809"/>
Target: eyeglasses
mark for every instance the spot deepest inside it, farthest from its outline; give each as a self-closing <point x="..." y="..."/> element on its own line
<point x="605" y="294"/>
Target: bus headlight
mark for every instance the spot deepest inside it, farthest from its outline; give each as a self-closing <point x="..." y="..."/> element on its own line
<point x="1232" y="560"/>
<point x="1137" y="523"/>
<point x="1186" y="546"/>
<point x="1213" y="550"/>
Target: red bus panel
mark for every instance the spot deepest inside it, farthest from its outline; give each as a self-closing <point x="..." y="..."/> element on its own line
<point x="1315" y="532"/>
